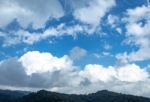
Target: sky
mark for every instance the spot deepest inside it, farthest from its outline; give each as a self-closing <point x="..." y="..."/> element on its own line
<point x="75" y="46"/>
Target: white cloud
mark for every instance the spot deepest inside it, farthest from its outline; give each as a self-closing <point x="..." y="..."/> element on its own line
<point x="24" y="36"/>
<point x="140" y="55"/>
<point x="31" y="38"/>
<point x="131" y="73"/>
<point x="137" y="25"/>
<point x="93" y="13"/>
<point x="127" y="73"/>
<point x="98" y="73"/>
<point x="138" y="30"/>
<point x="76" y="53"/>
<point x="36" y="62"/>
<point x="137" y="13"/>
<point x="29" y="11"/>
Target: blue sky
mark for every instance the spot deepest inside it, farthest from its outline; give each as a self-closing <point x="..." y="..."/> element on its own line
<point x="88" y="35"/>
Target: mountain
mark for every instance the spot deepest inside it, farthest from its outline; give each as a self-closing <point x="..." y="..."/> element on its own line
<point x="10" y="96"/>
<point x="100" y="96"/>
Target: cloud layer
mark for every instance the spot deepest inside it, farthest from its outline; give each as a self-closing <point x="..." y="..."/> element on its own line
<point x="41" y="70"/>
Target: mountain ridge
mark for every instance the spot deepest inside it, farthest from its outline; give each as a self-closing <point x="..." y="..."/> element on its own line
<point x="100" y="96"/>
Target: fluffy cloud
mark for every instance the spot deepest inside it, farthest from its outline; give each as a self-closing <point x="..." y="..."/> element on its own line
<point x="41" y="70"/>
<point x="98" y="73"/>
<point x="93" y="13"/>
<point x="29" y="11"/>
<point x="138" y="33"/>
<point x="36" y="62"/>
<point x="127" y="73"/>
<point x="131" y="73"/>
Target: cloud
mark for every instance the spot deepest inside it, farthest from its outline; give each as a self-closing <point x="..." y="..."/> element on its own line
<point x="36" y="62"/>
<point x="12" y="73"/>
<point x="76" y="53"/>
<point x="39" y="14"/>
<point x="93" y="13"/>
<point x="122" y="58"/>
<point x="112" y="20"/>
<point x="131" y="73"/>
<point x="29" y="11"/>
<point x="96" y="73"/>
<point x="24" y="36"/>
<point x="41" y="70"/>
<point x="127" y="73"/>
<point x="36" y="70"/>
<point x="137" y="21"/>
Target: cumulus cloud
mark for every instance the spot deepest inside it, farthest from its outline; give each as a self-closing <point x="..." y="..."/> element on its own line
<point x="41" y="70"/>
<point x="36" y="62"/>
<point x="98" y="73"/>
<point x="131" y="73"/>
<point x="138" y="33"/>
<point x="35" y="70"/>
<point x="127" y="73"/>
<point x="93" y="13"/>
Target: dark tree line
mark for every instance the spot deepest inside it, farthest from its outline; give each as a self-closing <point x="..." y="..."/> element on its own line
<point x="45" y="96"/>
